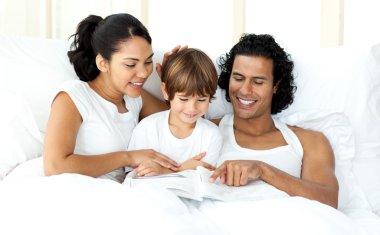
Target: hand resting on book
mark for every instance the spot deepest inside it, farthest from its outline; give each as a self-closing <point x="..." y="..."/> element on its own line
<point x="194" y="184"/>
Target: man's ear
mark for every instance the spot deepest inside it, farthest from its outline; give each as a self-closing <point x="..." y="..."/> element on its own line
<point x="164" y="93"/>
<point x="101" y="63"/>
<point x="276" y="87"/>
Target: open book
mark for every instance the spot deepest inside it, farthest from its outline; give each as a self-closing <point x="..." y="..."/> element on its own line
<point x="194" y="184"/>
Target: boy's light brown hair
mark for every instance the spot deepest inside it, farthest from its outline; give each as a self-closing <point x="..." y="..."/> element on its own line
<point x="190" y="71"/>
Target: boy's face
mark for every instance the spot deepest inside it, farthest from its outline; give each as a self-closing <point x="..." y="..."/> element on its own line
<point x="188" y="109"/>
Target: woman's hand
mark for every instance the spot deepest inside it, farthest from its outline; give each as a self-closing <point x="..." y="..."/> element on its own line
<point x="138" y="156"/>
<point x="150" y="168"/>
<point x="166" y="58"/>
<point x="237" y="172"/>
<point x="193" y="162"/>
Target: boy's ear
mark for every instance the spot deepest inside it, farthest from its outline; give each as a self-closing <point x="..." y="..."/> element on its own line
<point x="164" y="93"/>
<point x="101" y="63"/>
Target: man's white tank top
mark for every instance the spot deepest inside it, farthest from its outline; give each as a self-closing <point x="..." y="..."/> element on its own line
<point x="287" y="158"/>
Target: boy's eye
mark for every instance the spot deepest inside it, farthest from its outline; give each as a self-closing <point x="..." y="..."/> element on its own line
<point x="183" y="99"/>
<point x="202" y="100"/>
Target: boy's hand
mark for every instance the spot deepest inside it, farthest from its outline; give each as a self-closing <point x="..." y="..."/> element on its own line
<point x="193" y="162"/>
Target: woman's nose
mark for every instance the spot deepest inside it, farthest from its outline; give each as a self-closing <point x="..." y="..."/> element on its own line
<point x="143" y="72"/>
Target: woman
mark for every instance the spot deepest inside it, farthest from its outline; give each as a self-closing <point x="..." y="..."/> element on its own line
<point x="92" y="119"/>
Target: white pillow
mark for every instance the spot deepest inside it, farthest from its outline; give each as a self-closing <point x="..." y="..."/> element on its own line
<point x="342" y="79"/>
<point x="35" y="67"/>
<point x="19" y="136"/>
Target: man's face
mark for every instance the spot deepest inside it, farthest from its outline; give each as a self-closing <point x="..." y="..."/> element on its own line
<point x="251" y="86"/>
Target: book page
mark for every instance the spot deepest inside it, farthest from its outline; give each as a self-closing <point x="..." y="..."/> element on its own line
<point x="194" y="184"/>
<point x="184" y="183"/>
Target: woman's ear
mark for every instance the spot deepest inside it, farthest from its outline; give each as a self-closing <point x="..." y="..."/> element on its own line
<point x="101" y="63"/>
<point x="164" y="93"/>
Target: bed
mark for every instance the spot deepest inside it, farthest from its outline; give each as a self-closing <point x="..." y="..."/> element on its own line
<point x="338" y="93"/>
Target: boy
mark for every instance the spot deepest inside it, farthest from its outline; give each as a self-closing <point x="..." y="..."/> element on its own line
<point x="189" y="82"/>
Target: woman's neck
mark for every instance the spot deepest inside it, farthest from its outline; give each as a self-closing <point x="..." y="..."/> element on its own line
<point x="104" y="90"/>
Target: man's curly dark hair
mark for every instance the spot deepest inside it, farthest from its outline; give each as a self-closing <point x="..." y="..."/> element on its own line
<point x="262" y="45"/>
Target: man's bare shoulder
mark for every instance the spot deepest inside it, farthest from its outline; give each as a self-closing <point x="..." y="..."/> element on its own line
<point x="307" y="136"/>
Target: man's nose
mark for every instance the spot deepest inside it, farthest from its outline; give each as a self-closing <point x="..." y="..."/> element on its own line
<point x="246" y="87"/>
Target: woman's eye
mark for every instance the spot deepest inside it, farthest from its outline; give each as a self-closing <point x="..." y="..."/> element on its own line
<point x="130" y="65"/>
<point x="148" y="62"/>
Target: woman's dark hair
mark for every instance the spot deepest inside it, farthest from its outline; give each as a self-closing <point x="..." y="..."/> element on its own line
<point x="265" y="46"/>
<point x="96" y="35"/>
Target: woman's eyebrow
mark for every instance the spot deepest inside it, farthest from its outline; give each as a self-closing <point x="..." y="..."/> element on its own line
<point x="136" y="59"/>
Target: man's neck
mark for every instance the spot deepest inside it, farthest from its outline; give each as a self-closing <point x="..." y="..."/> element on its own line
<point x="254" y="126"/>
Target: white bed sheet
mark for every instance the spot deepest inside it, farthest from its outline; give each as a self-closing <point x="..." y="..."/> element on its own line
<point x="77" y="204"/>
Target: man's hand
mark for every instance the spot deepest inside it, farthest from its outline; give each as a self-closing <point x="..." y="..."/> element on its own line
<point x="237" y="172"/>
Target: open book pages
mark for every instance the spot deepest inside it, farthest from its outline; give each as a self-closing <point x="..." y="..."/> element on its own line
<point x="194" y="184"/>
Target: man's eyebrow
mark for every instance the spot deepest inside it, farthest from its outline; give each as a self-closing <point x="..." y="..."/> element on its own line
<point x="255" y="77"/>
<point x="238" y="74"/>
<point x="135" y="59"/>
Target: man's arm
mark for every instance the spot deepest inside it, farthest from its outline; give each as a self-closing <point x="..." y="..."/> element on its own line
<point x="317" y="182"/>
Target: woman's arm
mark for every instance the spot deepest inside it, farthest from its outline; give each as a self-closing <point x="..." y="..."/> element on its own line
<point x="151" y="104"/>
<point x="63" y="125"/>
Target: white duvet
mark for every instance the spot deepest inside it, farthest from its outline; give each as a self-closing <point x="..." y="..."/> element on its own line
<point x="77" y="204"/>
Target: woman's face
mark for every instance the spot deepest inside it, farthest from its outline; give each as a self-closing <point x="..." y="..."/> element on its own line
<point x="131" y="66"/>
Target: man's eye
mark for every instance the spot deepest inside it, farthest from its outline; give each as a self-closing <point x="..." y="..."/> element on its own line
<point x="238" y="79"/>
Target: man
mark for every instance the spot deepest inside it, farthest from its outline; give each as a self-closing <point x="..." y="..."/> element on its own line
<point x="257" y="75"/>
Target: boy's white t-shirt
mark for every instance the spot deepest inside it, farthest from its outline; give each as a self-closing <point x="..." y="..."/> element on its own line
<point x="153" y="132"/>
<point x="104" y="129"/>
